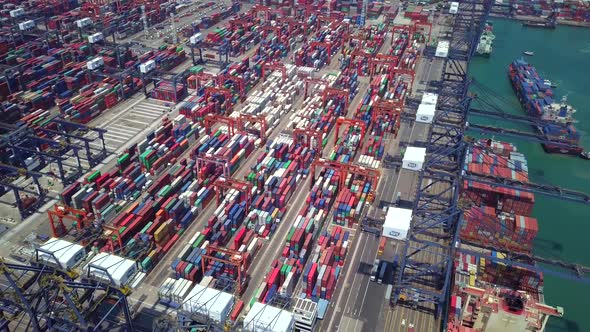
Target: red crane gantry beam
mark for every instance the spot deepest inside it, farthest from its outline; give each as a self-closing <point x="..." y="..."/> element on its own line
<point x="351" y="122"/>
<point x="209" y="91"/>
<point x="237" y="80"/>
<point x="327" y="46"/>
<point x="227" y="183"/>
<point x="308" y="81"/>
<point x="203" y="160"/>
<point x="387" y="107"/>
<point x="61" y="212"/>
<point x="244" y="118"/>
<point x="266" y="29"/>
<point x="234" y="258"/>
<point x="345" y="169"/>
<point x="382" y="59"/>
<point x="305" y="136"/>
<point x="408" y="72"/>
<point x="329" y="92"/>
<point x="402" y="28"/>
<point x="230" y="122"/>
<point x="201" y="78"/>
<point x="274" y="66"/>
<point x="424" y="24"/>
<point x="360" y="53"/>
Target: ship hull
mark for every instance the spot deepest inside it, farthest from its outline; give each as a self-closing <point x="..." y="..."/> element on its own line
<point x="572" y="151"/>
<point x="538" y="25"/>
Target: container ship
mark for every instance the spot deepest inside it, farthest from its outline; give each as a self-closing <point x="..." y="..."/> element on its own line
<point x="536" y="97"/>
<point x="488" y="295"/>
<point x="484" y="47"/>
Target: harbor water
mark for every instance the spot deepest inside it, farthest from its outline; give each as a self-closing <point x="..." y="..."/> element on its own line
<point x="562" y="56"/>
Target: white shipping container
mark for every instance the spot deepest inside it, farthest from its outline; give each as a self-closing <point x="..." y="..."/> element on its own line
<point x="17" y="12"/>
<point x="26" y="25"/>
<point x="95" y="38"/>
<point x="83" y="22"/>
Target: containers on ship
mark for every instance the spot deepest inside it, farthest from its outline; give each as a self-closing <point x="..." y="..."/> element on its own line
<point x="489" y="157"/>
<point x="485" y="226"/>
<point x="536" y="97"/>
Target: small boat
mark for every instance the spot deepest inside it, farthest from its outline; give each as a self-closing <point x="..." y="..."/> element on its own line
<point x="549" y="83"/>
<point x="585" y="155"/>
<point x="529" y="53"/>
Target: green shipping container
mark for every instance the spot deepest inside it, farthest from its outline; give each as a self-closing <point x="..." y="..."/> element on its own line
<point x="164" y="191"/>
<point x="92" y="177"/>
<point x="290" y="234"/>
<point x="123" y="158"/>
<point x="143" y="230"/>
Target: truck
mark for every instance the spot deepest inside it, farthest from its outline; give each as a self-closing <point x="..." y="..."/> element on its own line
<point x="382" y="270"/>
<point x="375" y="270"/>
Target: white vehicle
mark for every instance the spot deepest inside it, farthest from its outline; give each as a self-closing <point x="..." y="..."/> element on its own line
<point x="375" y="270"/>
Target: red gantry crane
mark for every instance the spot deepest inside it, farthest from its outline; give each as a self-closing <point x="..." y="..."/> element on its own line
<point x="60" y="212"/>
<point x="387" y="107"/>
<point x="343" y="171"/>
<point x="331" y="92"/>
<point x="328" y="46"/>
<point x="351" y="122"/>
<point x="241" y="85"/>
<point x="309" y="81"/>
<point x="199" y="79"/>
<point x="275" y="65"/>
<point x="245" y="188"/>
<point x="209" y="92"/>
<point x="231" y="123"/>
<point x="305" y="135"/>
<point x="407" y="72"/>
<point x="245" y="118"/>
<point x="233" y="257"/>
<point x="382" y="59"/>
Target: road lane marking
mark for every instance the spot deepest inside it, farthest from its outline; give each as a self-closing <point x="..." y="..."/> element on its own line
<point x="344" y="281"/>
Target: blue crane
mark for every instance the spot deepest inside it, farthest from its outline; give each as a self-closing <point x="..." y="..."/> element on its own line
<point x="437" y="217"/>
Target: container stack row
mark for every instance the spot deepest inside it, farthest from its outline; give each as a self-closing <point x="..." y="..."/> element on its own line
<point x="323" y="269"/>
<point x="96" y="97"/>
<point x="222" y="146"/>
<point x="273" y="100"/>
<point x="390" y="87"/>
<point x="300" y="238"/>
<point x="241" y="77"/>
<point x="374" y="147"/>
<point x="276" y="177"/>
<point x="313" y="114"/>
<point x="315" y="55"/>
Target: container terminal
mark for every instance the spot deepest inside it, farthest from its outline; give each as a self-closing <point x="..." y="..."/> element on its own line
<point x="267" y="166"/>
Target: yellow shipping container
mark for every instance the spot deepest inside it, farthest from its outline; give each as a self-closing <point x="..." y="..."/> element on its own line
<point x="161" y="232"/>
<point x="471" y="278"/>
